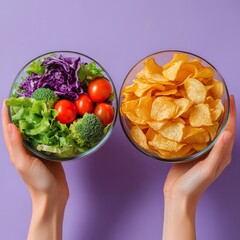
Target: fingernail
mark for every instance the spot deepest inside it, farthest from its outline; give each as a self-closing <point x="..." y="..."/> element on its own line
<point x="227" y="137"/>
<point x="9" y="129"/>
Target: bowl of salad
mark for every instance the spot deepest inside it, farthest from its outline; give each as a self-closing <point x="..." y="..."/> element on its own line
<point x="64" y="104"/>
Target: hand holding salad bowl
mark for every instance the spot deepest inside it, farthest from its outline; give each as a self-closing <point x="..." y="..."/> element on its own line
<point x="64" y="105"/>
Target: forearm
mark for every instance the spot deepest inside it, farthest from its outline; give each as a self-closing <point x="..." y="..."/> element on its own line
<point x="46" y="221"/>
<point x="179" y="220"/>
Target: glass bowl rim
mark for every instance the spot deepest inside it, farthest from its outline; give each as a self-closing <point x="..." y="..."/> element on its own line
<point x="197" y="154"/>
<point x="99" y="144"/>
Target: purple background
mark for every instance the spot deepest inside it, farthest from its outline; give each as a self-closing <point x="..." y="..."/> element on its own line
<point x="116" y="193"/>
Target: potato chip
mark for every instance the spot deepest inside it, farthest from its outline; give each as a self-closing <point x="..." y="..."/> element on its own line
<point x="139" y="137"/>
<point x="150" y="134"/>
<point x="195" y="90"/>
<point x="171" y="72"/>
<point x="200" y="116"/>
<point x="151" y="78"/>
<point x="199" y="146"/>
<point x="183" y="104"/>
<point x="172" y="131"/>
<point x="212" y="130"/>
<point x="216" y="114"/>
<point x="161" y="143"/>
<point x="142" y="88"/>
<point x="217" y="89"/>
<point x="216" y="105"/>
<point x="177" y="57"/>
<point x="142" y="108"/>
<point x="152" y="66"/>
<point x="165" y="93"/>
<point x="206" y="72"/>
<point x="196" y="135"/>
<point x="163" y="109"/>
<point x="183" y="152"/>
<point x="157" y="125"/>
<point x="128" y="106"/>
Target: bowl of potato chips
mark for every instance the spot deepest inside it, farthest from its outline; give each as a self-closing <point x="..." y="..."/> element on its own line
<point x="173" y="106"/>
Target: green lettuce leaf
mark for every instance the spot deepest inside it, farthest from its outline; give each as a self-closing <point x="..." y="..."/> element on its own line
<point x="88" y="72"/>
<point x="35" y="67"/>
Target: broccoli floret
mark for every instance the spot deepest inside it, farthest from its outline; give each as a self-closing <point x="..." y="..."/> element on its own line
<point x="45" y="94"/>
<point x="87" y="131"/>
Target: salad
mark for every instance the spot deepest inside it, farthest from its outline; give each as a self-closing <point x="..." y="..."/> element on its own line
<point x="62" y="106"/>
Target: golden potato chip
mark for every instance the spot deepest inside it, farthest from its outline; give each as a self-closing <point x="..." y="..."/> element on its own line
<point x="165" y="93"/>
<point x="163" y="109"/>
<point x="129" y="106"/>
<point x="197" y="63"/>
<point x="206" y="72"/>
<point x="157" y="125"/>
<point x="139" y="137"/>
<point x="195" y="90"/>
<point x="171" y="72"/>
<point x="216" y="105"/>
<point x="172" y="131"/>
<point x="196" y="135"/>
<point x="199" y="146"/>
<point x="152" y="66"/>
<point x="187" y="70"/>
<point x="183" y="152"/>
<point x="177" y="57"/>
<point x="212" y="130"/>
<point x="217" y="89"/>
<point x="161" y="143"/>
<point x="200" y="116"/>
<point x="142" y="88"/>
<point x="183" y="104"/>
<point x="150" y="134"/>
<point x="151" y="78"/>
<point x="216" y="114"/>
<point x="135" y="119"/>
<point x="142" y="108"/>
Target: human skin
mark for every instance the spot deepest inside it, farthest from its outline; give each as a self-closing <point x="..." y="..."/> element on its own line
<point x="186" y="182"/>
<point x="45" y="181"/>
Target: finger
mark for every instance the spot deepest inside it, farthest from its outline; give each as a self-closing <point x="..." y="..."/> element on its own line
<point x="220" y="155"/>
<point x="5" y="122"/>
<point x="231" y="124"/>
<point x="19" y="154"/>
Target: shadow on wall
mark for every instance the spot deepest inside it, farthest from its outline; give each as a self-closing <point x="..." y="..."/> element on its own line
<point x="114" y="181"/>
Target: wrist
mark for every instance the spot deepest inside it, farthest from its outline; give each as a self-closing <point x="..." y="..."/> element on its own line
<point x="47" y="218"/>
<point x="179" y="219"/>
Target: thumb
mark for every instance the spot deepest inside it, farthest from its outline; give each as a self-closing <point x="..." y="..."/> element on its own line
<point x="18" y="153"/>
<point x="220" y="156"/>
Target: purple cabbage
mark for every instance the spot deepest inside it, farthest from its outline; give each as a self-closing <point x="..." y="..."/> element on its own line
<point x="60" y="76"/>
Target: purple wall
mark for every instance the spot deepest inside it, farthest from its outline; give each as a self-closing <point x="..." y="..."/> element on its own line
<point x="120" y="198"/>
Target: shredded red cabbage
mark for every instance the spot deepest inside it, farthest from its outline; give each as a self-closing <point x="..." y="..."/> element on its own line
<point x="60" y="76"/>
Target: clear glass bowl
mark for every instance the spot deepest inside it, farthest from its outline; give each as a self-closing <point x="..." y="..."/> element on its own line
<point x="162" y="58"/>
<point x="85" y="59"/>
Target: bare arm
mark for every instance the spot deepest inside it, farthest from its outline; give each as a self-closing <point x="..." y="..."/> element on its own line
<point x="46" y="183"/>
<point x="186" y="182"/>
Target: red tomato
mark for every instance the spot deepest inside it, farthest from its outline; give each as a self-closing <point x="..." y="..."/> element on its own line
<point x="67" y="111"/>
<point x="104" y="112"/>
<point x="84" y="104"/>
<point x="99" y="89"/>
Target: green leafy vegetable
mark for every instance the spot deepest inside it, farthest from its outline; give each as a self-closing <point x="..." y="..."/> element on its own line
<point x="88" y="72"/>
<point x="36" y="67"/>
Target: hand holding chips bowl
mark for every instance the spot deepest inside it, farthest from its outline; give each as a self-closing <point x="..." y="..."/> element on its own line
<point x="173" y="106"/>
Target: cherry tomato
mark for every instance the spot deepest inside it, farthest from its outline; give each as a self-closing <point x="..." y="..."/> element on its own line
<point x="104" y="112"/>
<point x="99" y="89"/>
<point x="84" y="104"/>
<point x="67" y="111"/>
